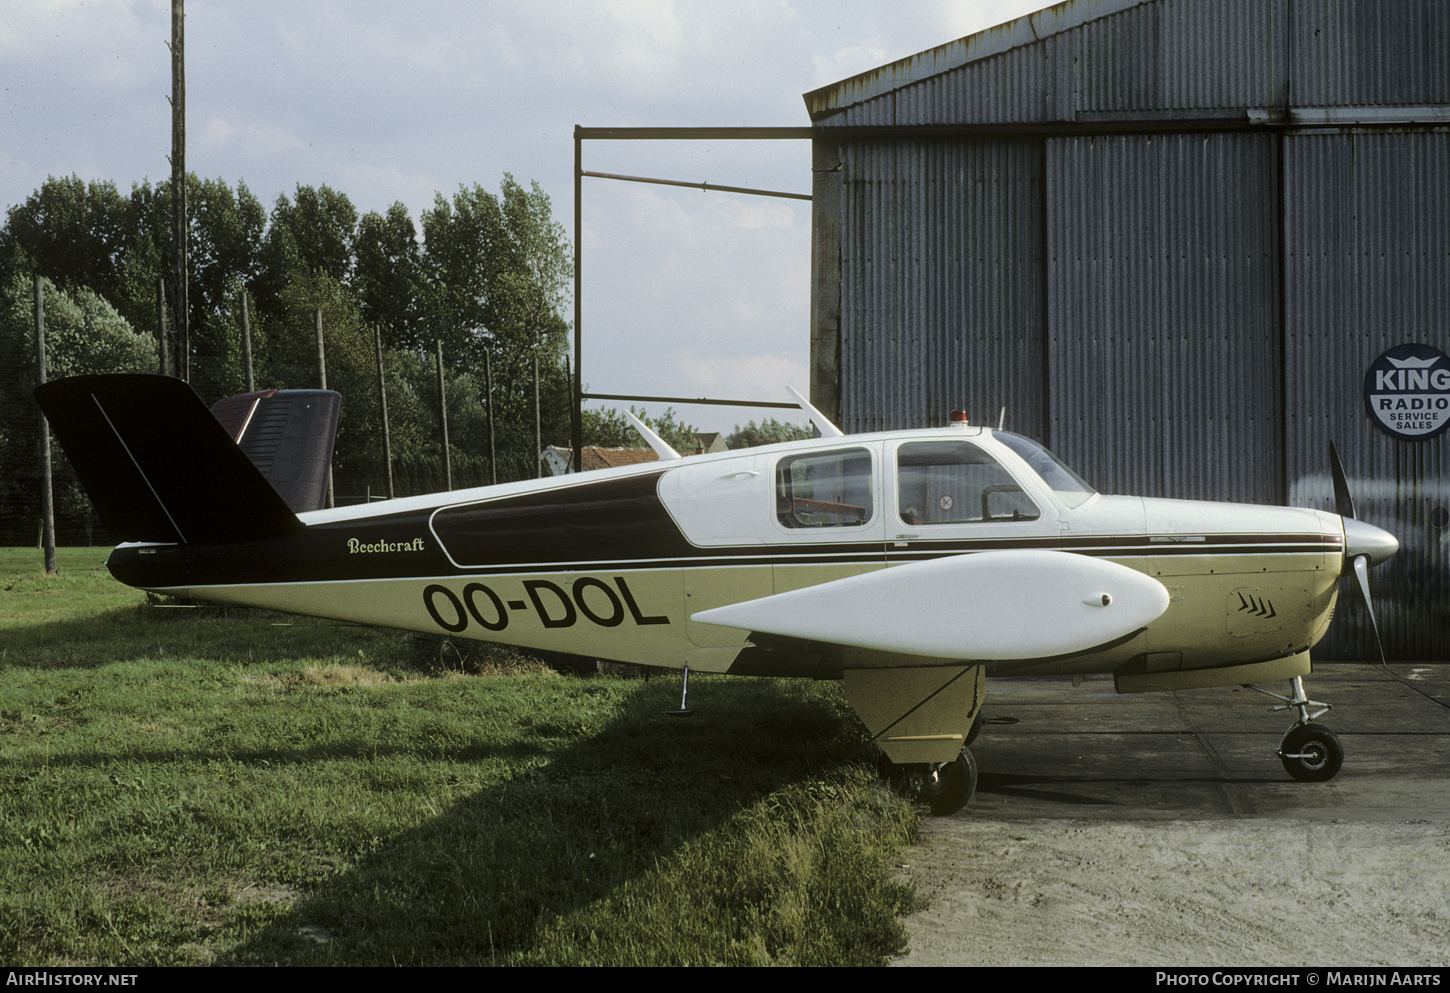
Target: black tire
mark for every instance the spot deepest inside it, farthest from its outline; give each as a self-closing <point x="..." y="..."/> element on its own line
<point x="1311" y="753"/>
<point x="944" y="791"/>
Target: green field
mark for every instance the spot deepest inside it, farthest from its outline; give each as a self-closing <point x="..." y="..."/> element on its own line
<point x="195" y="786"/>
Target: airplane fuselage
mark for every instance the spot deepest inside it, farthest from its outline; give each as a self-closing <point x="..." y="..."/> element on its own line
<point x="910" y="565"/>
<point x="615" y="564"/>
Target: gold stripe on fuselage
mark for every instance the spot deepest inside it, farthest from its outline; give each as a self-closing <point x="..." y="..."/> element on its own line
<point x="643" y="615"/>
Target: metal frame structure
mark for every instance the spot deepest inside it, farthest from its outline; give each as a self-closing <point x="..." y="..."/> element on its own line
<point x="581" y="134"/>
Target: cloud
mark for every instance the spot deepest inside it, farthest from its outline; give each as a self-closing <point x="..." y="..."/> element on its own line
<point x="847" y="62"/>
<point x="763" y="376"/>
<point x="683" y="291"/>
<point x="386" y="185"/>
<point x="85" y="41"/>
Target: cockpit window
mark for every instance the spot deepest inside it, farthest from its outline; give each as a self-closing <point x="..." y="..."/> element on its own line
<point x="1065" y="484"/>
<point x="954" y="482"/>
<point x="824" y="489"/>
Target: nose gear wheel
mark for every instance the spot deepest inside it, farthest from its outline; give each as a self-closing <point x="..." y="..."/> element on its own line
<point x="1310" y="752"/>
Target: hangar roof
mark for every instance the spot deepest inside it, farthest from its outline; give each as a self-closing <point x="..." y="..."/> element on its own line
<point x="1309" y="63"/>
<point x="954" y="54"/>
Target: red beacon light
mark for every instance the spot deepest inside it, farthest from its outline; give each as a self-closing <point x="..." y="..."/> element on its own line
<point x="958" y="418"/>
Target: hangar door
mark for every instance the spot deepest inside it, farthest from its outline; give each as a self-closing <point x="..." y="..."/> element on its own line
<point x="1163" y="313"/>
<point x="1118" y="297"/>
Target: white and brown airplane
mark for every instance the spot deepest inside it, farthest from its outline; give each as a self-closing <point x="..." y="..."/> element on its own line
<point x="911" y="565"/>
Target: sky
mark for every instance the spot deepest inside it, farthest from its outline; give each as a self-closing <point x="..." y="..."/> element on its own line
<point x="684" y="293"/>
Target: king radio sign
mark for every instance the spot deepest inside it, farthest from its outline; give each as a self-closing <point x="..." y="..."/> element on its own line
<point x="1407" y="391"/>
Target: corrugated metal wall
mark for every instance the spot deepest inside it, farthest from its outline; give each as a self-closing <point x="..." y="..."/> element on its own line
<point x="1367" y="263"/>
<point x="1163" y="312"/>
<point x="1177" y="314"/>
<point x="1370" y="52"/>
<point x="942" y="252"/>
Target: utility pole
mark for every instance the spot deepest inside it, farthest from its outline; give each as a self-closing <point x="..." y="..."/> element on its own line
<point x="163" y="353"/>
<point x="180" y="311"/>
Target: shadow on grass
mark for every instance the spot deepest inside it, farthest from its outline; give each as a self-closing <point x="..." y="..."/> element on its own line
<point x="710" y="838"/>
<point x="134" y="633"/>
<point x="483" y="881"/>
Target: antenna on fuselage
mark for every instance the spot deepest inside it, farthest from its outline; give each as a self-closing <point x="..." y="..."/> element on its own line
<point x="1002" y="420"/>
<point x="662" y="448"/>
<point x="827" y="429"/>
<point x="683" y="711"/>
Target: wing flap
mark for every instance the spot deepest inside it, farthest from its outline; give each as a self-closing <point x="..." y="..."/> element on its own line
<point x="989" y="606"/>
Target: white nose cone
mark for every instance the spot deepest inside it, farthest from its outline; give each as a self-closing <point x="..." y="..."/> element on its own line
<point x="1366" y="539"/>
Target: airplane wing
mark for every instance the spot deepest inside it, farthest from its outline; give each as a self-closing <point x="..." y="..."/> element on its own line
<point x="288" y="435"/>
<point x="988" y="606"/>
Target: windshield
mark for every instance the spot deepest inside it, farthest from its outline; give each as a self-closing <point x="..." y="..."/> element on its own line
<point x="1065" y="484"/>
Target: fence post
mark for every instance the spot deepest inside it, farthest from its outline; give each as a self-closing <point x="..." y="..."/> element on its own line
<point x="538" y="426"/>
<point x="47" y="493"/>
<point x="322" y="377"/>
<point x="247" y="343"/>
<point x="383" y="403"/>
<point x="577" y="416"/>
<point x="321" y="354"/>
<point x="488" y="411"/>
<point x="443" y="417"/>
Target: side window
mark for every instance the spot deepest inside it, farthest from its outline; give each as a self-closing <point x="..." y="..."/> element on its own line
<point x="955" y="482"/>
<point x="824" y="489"/>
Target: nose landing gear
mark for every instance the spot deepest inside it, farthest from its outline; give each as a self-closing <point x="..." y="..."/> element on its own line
<point x="1310" y="752"/>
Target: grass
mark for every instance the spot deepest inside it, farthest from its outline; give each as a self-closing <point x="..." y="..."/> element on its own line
<point x="203" y="787"/>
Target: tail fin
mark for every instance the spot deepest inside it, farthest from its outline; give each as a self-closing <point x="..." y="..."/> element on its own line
<point x="288" y="435"/>
<point x="158" y="465"/>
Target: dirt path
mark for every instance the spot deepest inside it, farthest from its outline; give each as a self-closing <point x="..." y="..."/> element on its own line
<point x="1183" y="893"/>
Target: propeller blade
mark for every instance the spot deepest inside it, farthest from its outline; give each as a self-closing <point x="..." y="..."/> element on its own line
<point x="1343" y="502"/>
<point x="1364" y="544"/>
<point x="1361" y="572"/>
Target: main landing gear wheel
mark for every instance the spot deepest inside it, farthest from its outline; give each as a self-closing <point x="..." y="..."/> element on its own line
<point x="1311" y="753"/>
<point x="945" y="788"/>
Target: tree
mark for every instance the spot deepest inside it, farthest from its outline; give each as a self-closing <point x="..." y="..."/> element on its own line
<point x="490" y="279"/>
<point x="386" y="277"/>
<point x="84" y="335"/>
<point x="609" y="428"/>
<point x="314" y="234"/>
<point x="767" y="432"/>
<point x="494" y="277"/>
<point x="225" y="232"/>
<point x="462" y="249"/>
<point x="69" y="231"/>
<point x="497" y="274"/>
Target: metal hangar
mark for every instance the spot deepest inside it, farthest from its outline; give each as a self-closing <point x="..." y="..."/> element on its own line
<point x="1169" y="238"/>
